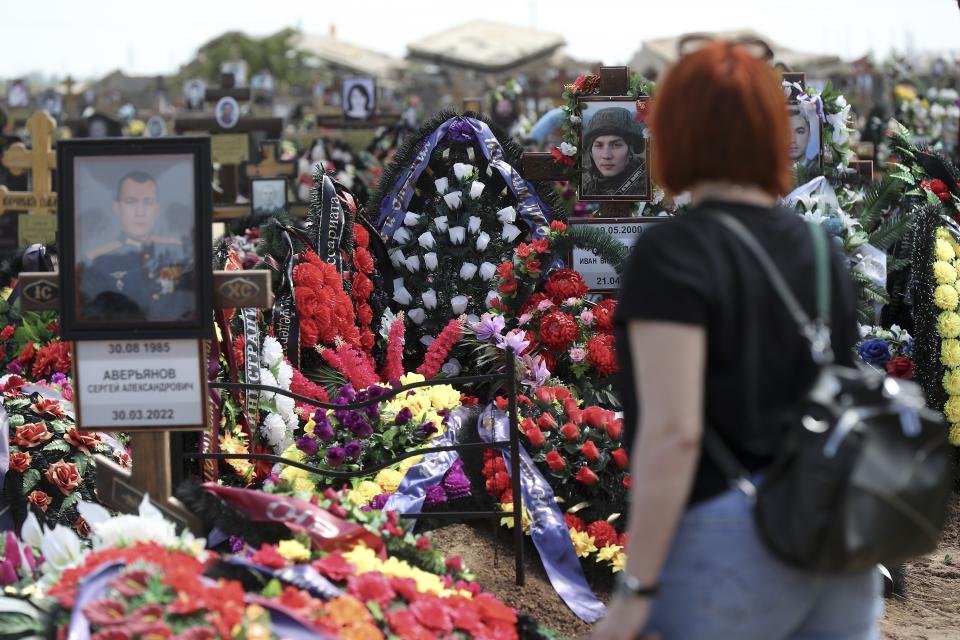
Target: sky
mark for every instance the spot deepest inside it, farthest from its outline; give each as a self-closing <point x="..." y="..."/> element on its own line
<point x="89" y="38"/>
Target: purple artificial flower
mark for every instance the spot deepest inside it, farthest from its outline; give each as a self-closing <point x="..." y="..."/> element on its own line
<point x="403" y="416"/>
<point x="537" y="372"/>
<point x="435" y="495"/>
<point x="395" y="383"/>
<point x="8" y="575"/>
<point x="308" y="445"/>
<point x="515" y="340"/>
<point x="379" y="501"/>
<point x="237" y="544"/>
<point x="456" y="484"/>
<point x="353" y="449"/>
<point x="361" y="429"/>
<point x="489" y="326"/>
<point x="336" y="456"/>
<point x="366" y="507"/>
<point x="58" y="378"/>
<point x="348" y="393"/>
<point x="428" y="429"/>
<point x="323" y="428"/>
<point x="460" y="131"/>
<point x="12" y="550"/>
<point x="14" y="367"/>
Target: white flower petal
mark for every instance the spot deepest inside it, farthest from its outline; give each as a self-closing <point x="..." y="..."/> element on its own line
<point x="468" y="270"/>
<point x="397" y="258"/>
<point x="93" y="513"/>
<point x="413" y="263"/>
<point x="487" y="270"/>
<point x="430" y="261"/>
<point x="463" y="170"/>
<point x="401" y="236"/>
<point x="411" y="219"/>
<point x="453" y="199"/>
<point x="426" y="240"/>
<point x="476" y="189"/>
<point x="457" y="234"/>
<point x="507" y="214"/>
<point x="442" y="185"/>
<point x="429" y="298"/>
<point x="459" y="304"/>
<point x="417" y="315"/>
<point x="31" y="532"/>
<point x="483" y="240"/>
<point x="510" y="232"/>
<point x="440" y="222"/>
<point x="473" y="224"/>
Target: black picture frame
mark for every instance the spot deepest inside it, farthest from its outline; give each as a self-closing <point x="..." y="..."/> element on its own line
<point x="583" y="164"/>
<point x="73" y="325"/>
<point x="257" y="207"/>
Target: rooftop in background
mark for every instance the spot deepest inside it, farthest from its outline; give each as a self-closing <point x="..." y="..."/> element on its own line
<point x="655" y="55"/>
<point x="485" y="46"/>
<point x="339" y="54"/>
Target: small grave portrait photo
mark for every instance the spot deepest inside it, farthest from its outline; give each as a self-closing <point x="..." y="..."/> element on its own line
<point x="804" y="134"/>
<point x="613" y="150"/>
<point x="133" y="225"/>
<point x="193" y="94"/>
<point x="227" y="112"/>
<point x="267" y="195"/>
<point x="18" y="93"/>
<point x="359" y="98"/>
<point x="51" y="102"/>
<point x="156" y="127"/>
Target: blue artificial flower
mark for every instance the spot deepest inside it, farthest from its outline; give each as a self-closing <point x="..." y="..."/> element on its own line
<point x="875" y="351"/>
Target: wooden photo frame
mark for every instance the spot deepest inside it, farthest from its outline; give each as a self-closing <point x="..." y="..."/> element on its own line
<point x="134" y="221"/>
<point x="625" y="174"/>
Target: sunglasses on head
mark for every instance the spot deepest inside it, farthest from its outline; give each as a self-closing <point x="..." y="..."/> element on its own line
<point x="752" y="45"/>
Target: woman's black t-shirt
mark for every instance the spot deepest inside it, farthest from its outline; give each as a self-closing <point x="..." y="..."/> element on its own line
<point x="692" y="270"/>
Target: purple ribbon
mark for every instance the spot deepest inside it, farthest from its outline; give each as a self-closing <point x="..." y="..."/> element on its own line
<point x="91" y="589"/>
<point x="6" y="518"/>
<point x="301" y="576"/>
<point x="550" y="534"/>
<point x="532" y="209"/>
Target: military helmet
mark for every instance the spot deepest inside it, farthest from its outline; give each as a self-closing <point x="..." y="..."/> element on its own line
<point x="613" y="121"/>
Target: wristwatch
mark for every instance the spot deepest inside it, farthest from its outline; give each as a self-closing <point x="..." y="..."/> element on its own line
<point x="628" y="585"/>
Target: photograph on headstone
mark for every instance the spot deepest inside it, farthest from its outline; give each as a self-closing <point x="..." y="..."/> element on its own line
<point x="156" y="127"/>
<point x="268" y="195"/>
<point x="239" y="70"/>
<point x="51" y="102"/>
<point x="613" y="151"/>
<point x="135" y="220"/>
<point x="227" y="112"/>
<point x="193" y="92"/>
<point x="359" y="98"/>
<point x="18" y="93"/>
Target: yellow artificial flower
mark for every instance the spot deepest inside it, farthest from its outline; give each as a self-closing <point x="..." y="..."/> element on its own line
<point x="410" y="378"/>
<point x="948" y="324"/>
<point x="418" y="405"/>
<point x="905" y="92"/>
<point x="955" y="435"/>
<point x="309" y="427"/>
<point x="255" y="612"/>
<point x="5" y="292"/>
<point x="944" y="251"/>
<point x="945" y="296"/>
<point x="293" y="550"/>
<point x="508" y="522"/>
<point x="950" y="353"/>
<point x="389" y="480"/>
<point x="609" y="552"/>
<point x="137" y="127"/>
<point x="409" y="462"/>
<point x="238" y="444"/>
<point x="952" y="409"/>
<point x="304" y="484"/>
<point x="365" y="560"/>
<point x="951" y="382"/>
<point x="944" y="272"/>
<point x="443" y="396"/>
<point x="619" y="563"/>
<point x="583" y="543"/>
<point x="257" y="631"/>
<point x="364" y="493"/>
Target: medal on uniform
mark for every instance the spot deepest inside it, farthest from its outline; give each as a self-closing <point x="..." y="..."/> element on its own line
<point x="118" y="275"/>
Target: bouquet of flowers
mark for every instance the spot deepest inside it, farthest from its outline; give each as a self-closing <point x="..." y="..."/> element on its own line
<point x="892" y="349"/>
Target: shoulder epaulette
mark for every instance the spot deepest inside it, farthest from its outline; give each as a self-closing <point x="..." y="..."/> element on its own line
<point x="103" y="249"/>
<point x="166" y="240"/>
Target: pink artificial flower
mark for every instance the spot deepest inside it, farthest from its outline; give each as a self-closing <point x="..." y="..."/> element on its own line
<point x="586" y="317"/>
<point x="577" y="354"/>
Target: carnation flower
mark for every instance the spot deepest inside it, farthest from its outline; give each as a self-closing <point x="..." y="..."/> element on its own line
<point x="468" y="270"/>
<point x="274" y="429"/>
<point x="440" y="222"/>
<point x="413" y="263"/>
<point x="945" y="297"/>
<point x="463" y="170"/>
<point x="944" y="251"/>
<point x="453" y="199"/>
<point x="430" y="261"/>
<point x="442" y="185"/>
<point x="586" y="317"/>
<point x="950" y="353"/>
<point x="948" y="324"/>
<point x="429" y="298"/>
<point x="272" y="351"/>
<point x="482" y="241"/>
<point x="476" y="188"/>
<point x="459" y="304"/>
<point x="411" y="219"/>
<point x="418" y="315"/>
<point x="401" y="236"/>
<point x="944" y="272"/>
<point x="510" y="232"/>
<point x="268" y="379"/>
<point x="487" y="270"/>
<point x="507" y="215"/>
<point x="457" y="234"/>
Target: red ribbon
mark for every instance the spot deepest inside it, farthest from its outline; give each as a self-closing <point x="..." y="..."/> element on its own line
<point x="326" y="531"/>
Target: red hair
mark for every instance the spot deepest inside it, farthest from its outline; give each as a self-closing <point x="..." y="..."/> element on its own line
<point x="720" y="115"/>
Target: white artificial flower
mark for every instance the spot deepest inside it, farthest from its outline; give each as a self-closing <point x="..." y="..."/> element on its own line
<point x="417" y="315"/>
<point x="451" y="367"/>
<point x="473" y="224"/>
<point x="284" y="375"/>
<point x="575" y="119"/>
<point x="568" y="149"/>
<point x="476" y="188"/>
<point x="457" y="234"/>
<point x="426" y="240"/>
<point x="273" y="429"/>
<point x="31" y="532"/>
<point x="272" y="351"/>
<point x="430" y="261"/>
<point x="463" y="171"/>
<point x="400" y="293"/>
<point x="487" y="270"/>
<point x="413" y="263"/>
<point x="839" y="123"/>
<point x="440" y="222"/>
<point x="840" y="102"/>
<point x="148" y="525"/>
<point x="442" y="185"/>
<point x="397" y="258"/>
<point x="453" y="199"/>
<point x="937" y="111"/>
<point x="510" y="232"/>
<point x="459" y="304"/>
<point x="427" y="340"/>
<point x="61" y="548"/>
<point x="491" y="296"/>
<point x="286" y="407"/>
<point x="268" y="379"/>
<point x="401" y="236"/>
<point x="386" y="321"/>
<point x="483" y="240"/>
<point x="429" y="298"/>
<point x="411" y="219"/>
<point x="468" y="270"/>
<point x="507" y="215"/>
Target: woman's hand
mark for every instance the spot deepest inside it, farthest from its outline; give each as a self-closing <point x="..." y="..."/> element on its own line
<point x="625" y="619"/>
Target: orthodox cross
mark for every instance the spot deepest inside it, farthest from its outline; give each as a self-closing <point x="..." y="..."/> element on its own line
<point x="40" y="160"/>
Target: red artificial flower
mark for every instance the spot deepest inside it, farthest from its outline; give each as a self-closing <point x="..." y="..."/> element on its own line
<point x="558" y="226"/>
<point x="13" y="384"/>
<point x="555" y="461"/>
<point x="627" y="482"/>
<point x="39" y="499"/>
<point x="26" y="354"/>
<point x="238" y="350"/>
<point x="575" y="522"/>
<point x="85" y="441"/>
<point x="81" y="526"/>
<point x="47" y="407"/>
<point x="403" y="623"/>
<point x="563" y="284"/>
<point x="7" y="332"/>
<point x="20" y="461"/>
<point x="406" y="588"/>
<point x="570" y="431"/>
<point x="615" y="428"/>
<point x="533" y="302"/>
<point x="325" y="310"/>
<point x="590" y="451"/>
<point x="31" y="435"/>
<point x="268" y="556"/>
<point x="596" y="417"/>
<point x="362" y="260"/>
<point x="533" y="267"/>
<point x="106" y="612"/>
<point x="620" y="458"/>
<point x="64" y="476"/>
<point x="431" y="612"/>
<point x="586" y="476"/>
<point x="501" y="403"/>
<point x="536" y="437"/>
<point x="552" y="394"/>
<point x="494" y="612"/>
<point x="540" y="246"/>
<point x="424" y="544"/>
<point x="454" y="563"/>
<point x="601" y="355"/>
<point x="52" y="357"/>
<point x="523" y="400"/>
<point x="440" y="348"/>
<point x="131" y="584"/>
<point x="546" y="421"/>
<point x="110" y="633"/>
<point x="335" y="567"/>
<point x="371" y="586"/>
<point x="362" y="286"/>
<point x="505" y="270"/>
<point x="522" y="251"/>
<point x="468" y="400"/>
<point x="508" y="286"/>
<point x="603" y="533"/>
<point x="558" y="330"/>
<point x="603" y="314"/>
<point x="360" y="236"/>
<point x="900" y="367"/>
<point x="562" y="158"/>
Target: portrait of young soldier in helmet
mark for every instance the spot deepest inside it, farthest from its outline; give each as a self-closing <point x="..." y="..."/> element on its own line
<point x="613" y="152"/>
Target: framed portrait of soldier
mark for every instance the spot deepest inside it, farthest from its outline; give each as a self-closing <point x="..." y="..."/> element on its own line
<point x="614" y="149"/>
<point x="267" y="195"/>
<point x="359" y="98"/>
<point x="134" y="218"/>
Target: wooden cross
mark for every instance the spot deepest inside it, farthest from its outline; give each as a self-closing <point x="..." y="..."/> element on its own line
<point x="538" y="165"/>
<point x="271" y="166"/>
<point x="40" y="160"/>
<point x="227" y="89"/>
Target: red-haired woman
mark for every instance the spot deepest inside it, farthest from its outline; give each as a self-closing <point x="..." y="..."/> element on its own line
<point x="704" y="339"/>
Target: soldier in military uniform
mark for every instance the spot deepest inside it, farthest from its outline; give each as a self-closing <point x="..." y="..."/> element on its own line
<point x="139" y="275"/>
<point x="617" y="165"/>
